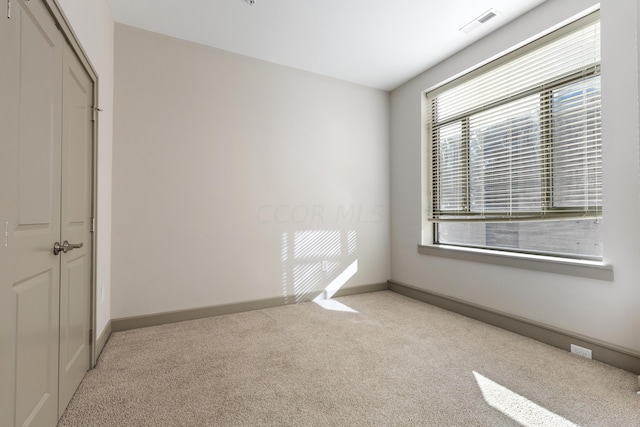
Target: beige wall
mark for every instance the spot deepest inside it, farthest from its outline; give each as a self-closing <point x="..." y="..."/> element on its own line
<point x="234" y="179"/>
<point x="600" y="310"/>
<point x="94" y="27"/>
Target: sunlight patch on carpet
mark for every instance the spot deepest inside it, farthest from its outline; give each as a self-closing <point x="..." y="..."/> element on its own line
<point x="324" y="299"/>
<point x="334" y="305"/>
<point x="516" y="407"/>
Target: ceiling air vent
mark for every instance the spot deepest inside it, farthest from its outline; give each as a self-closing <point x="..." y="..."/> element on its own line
<point x="482" y="19"/>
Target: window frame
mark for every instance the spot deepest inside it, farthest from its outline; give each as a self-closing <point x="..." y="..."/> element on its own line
<point x="545" y="93"/>
<point x="584" y="266"/>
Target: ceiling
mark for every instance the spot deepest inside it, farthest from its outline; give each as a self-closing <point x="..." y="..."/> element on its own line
<point x="376" y="43"/>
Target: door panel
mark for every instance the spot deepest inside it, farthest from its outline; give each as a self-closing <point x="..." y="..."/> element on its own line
<point x="39" y="98"/>
<point x="31" y="129"/>
<point x="36" y="347"/>
<point x="75" y="276"/>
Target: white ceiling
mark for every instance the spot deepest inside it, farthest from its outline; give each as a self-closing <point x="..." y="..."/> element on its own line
<point x="376" y="43"/>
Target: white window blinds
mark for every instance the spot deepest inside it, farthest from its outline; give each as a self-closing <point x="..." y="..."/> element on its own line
<point x="519" y="139"/>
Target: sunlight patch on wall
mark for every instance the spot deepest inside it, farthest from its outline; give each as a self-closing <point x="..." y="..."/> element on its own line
<point x="516" y="407"/>
<point x="339" y="281"/>
<point x="317" y="263"/>
<point x="352" y="242"/>
<point x="306" y="278"/>
<point x="313" y="244"/>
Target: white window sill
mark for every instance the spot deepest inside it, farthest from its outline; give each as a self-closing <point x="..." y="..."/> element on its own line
<point x="571" y="267"/>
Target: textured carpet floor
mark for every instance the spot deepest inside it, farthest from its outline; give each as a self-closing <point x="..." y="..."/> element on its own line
<point x="390" y="361"/>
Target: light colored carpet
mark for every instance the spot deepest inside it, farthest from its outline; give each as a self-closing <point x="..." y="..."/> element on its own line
<point x="390" y="361"/>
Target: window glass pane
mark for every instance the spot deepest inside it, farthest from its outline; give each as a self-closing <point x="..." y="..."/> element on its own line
<point x="462" y="233"/>
<point x="576" y="147"/>
<point x="505" y="167"/>
<point x="452" y="162"/>
<point x="575" y="238"/>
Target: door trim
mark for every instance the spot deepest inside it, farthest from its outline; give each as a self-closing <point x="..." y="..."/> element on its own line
<point x="65" y="27"/>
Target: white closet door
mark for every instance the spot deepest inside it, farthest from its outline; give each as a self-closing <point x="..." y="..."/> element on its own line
<point x="46" y="138"/>
<point x="75" y="273"/>
<point x="31" y="143"/>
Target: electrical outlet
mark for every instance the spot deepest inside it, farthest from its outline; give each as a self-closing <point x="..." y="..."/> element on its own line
<point x="325" y="265"/>
<point x="581" y="351"/>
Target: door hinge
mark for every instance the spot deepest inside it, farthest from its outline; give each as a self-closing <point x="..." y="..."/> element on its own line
<point x="90" y="336"/>
<point x="94" y="110"/>
<point x="8" y="9"/>
<point x="93" y="225"/>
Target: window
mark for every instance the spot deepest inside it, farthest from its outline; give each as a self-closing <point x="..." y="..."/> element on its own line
<point x="514" y="158"/>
